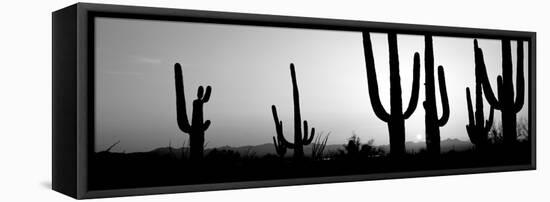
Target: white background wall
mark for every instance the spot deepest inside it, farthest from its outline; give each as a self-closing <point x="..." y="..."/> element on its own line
<point x="25" y="100"/>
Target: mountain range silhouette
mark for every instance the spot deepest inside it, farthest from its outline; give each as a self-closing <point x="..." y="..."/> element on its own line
<point x="450" y="144"/>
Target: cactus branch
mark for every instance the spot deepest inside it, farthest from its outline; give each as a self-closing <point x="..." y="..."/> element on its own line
<point x="183" y="121"/>
<point x="307" y="140"/>
<point x="471" y="119"/>
<point x="415" y="87"/>
<point x="279" y="129"/>
<point x="206" y="125"/>
<point x="207" y="94"/>
<point x="377" y="106"/>
<point x="481" y="68"/>
<point x="200" y="92"/>
<point x="520" y="86"/>
<point x="444" y="99"/>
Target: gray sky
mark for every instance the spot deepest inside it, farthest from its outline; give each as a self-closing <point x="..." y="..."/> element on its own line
<point x="248" y="69"/>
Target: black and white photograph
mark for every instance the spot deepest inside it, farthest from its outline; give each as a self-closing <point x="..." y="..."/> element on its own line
<point x="183" y="103"/>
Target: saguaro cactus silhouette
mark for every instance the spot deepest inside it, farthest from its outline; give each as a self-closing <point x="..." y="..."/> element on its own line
<point x="197" y="127"/>
<point x="299" y="140"/>
<point x="505" y="101"/>
<point x="432" y="121"/>
<point x="395" y="120"/>
<point x="477" y="130"/>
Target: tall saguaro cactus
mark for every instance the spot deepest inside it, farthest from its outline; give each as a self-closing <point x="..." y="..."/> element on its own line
<point x="396" y="118"/>
<point x="299" y="140"/>
<point x="432" y="121"/>
<point x="505" y="101"/>
<point x="477" y="130"/>
<point x="197" y="127"/>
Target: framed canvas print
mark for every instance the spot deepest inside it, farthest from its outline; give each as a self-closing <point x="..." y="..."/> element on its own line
<point x="155" y="100"/>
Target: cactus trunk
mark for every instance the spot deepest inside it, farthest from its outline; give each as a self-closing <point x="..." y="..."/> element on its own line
<point x="504" y="101"/>
<point x="432" y="122"/>
<point x="396" y="124"/>
<point x="298" y="148"/>
<point x="395" y="120"/>
<point x="197" y="127"/>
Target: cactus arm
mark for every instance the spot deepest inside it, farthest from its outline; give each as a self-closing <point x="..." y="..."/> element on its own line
<point x="520" y="86"/>
<point x="311" y="136"/>
<point x="415" y="87"/>
<point x="181" y="109"/>
<point x="279" y="148"/>
<point x="377" y="106"/>
<point x="471" y="119"/>
<point x="207" y="94"/>
<point x="471" y="134"/>
<point x="506" y="64"/>
<point x="279" y="128"/>
<point x="206" y="125"/>
<point x="305" y="131"/>
<point x="310" y="139"/>
<point x="307" y="140"/>
<point x="278" y="124"/>
<point x="276" y="145"/>
<point x="444" y="99"/>
<point x="200" y="92"/>
<point x="489" y="122"/>
<point x="481" y="69"/>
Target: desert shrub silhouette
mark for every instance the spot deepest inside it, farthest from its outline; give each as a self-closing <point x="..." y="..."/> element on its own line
<point x="368" y="150"/>
<point x="396" y="118"/>
<point x="318" y="146"/>
<point x="353" y="146"/>
<point x="523" y="130"/>
<point x="299" y="140"/>
<point x="197" y="127"/>
<point x="356" y="151"/>
<point x="495" y="134"/>
<point x="504" y="101"/>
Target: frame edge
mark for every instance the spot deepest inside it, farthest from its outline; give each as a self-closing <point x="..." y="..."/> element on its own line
<point x="64" y="145"/>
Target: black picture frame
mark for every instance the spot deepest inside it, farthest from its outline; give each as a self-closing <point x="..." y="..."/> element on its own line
<point x="73" y="87"/>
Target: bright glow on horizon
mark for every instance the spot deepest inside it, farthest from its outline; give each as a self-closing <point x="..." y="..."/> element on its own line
<point x="420" y="137"/>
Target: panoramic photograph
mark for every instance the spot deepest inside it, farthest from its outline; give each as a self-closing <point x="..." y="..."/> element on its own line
<point x="187" y="103"/>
